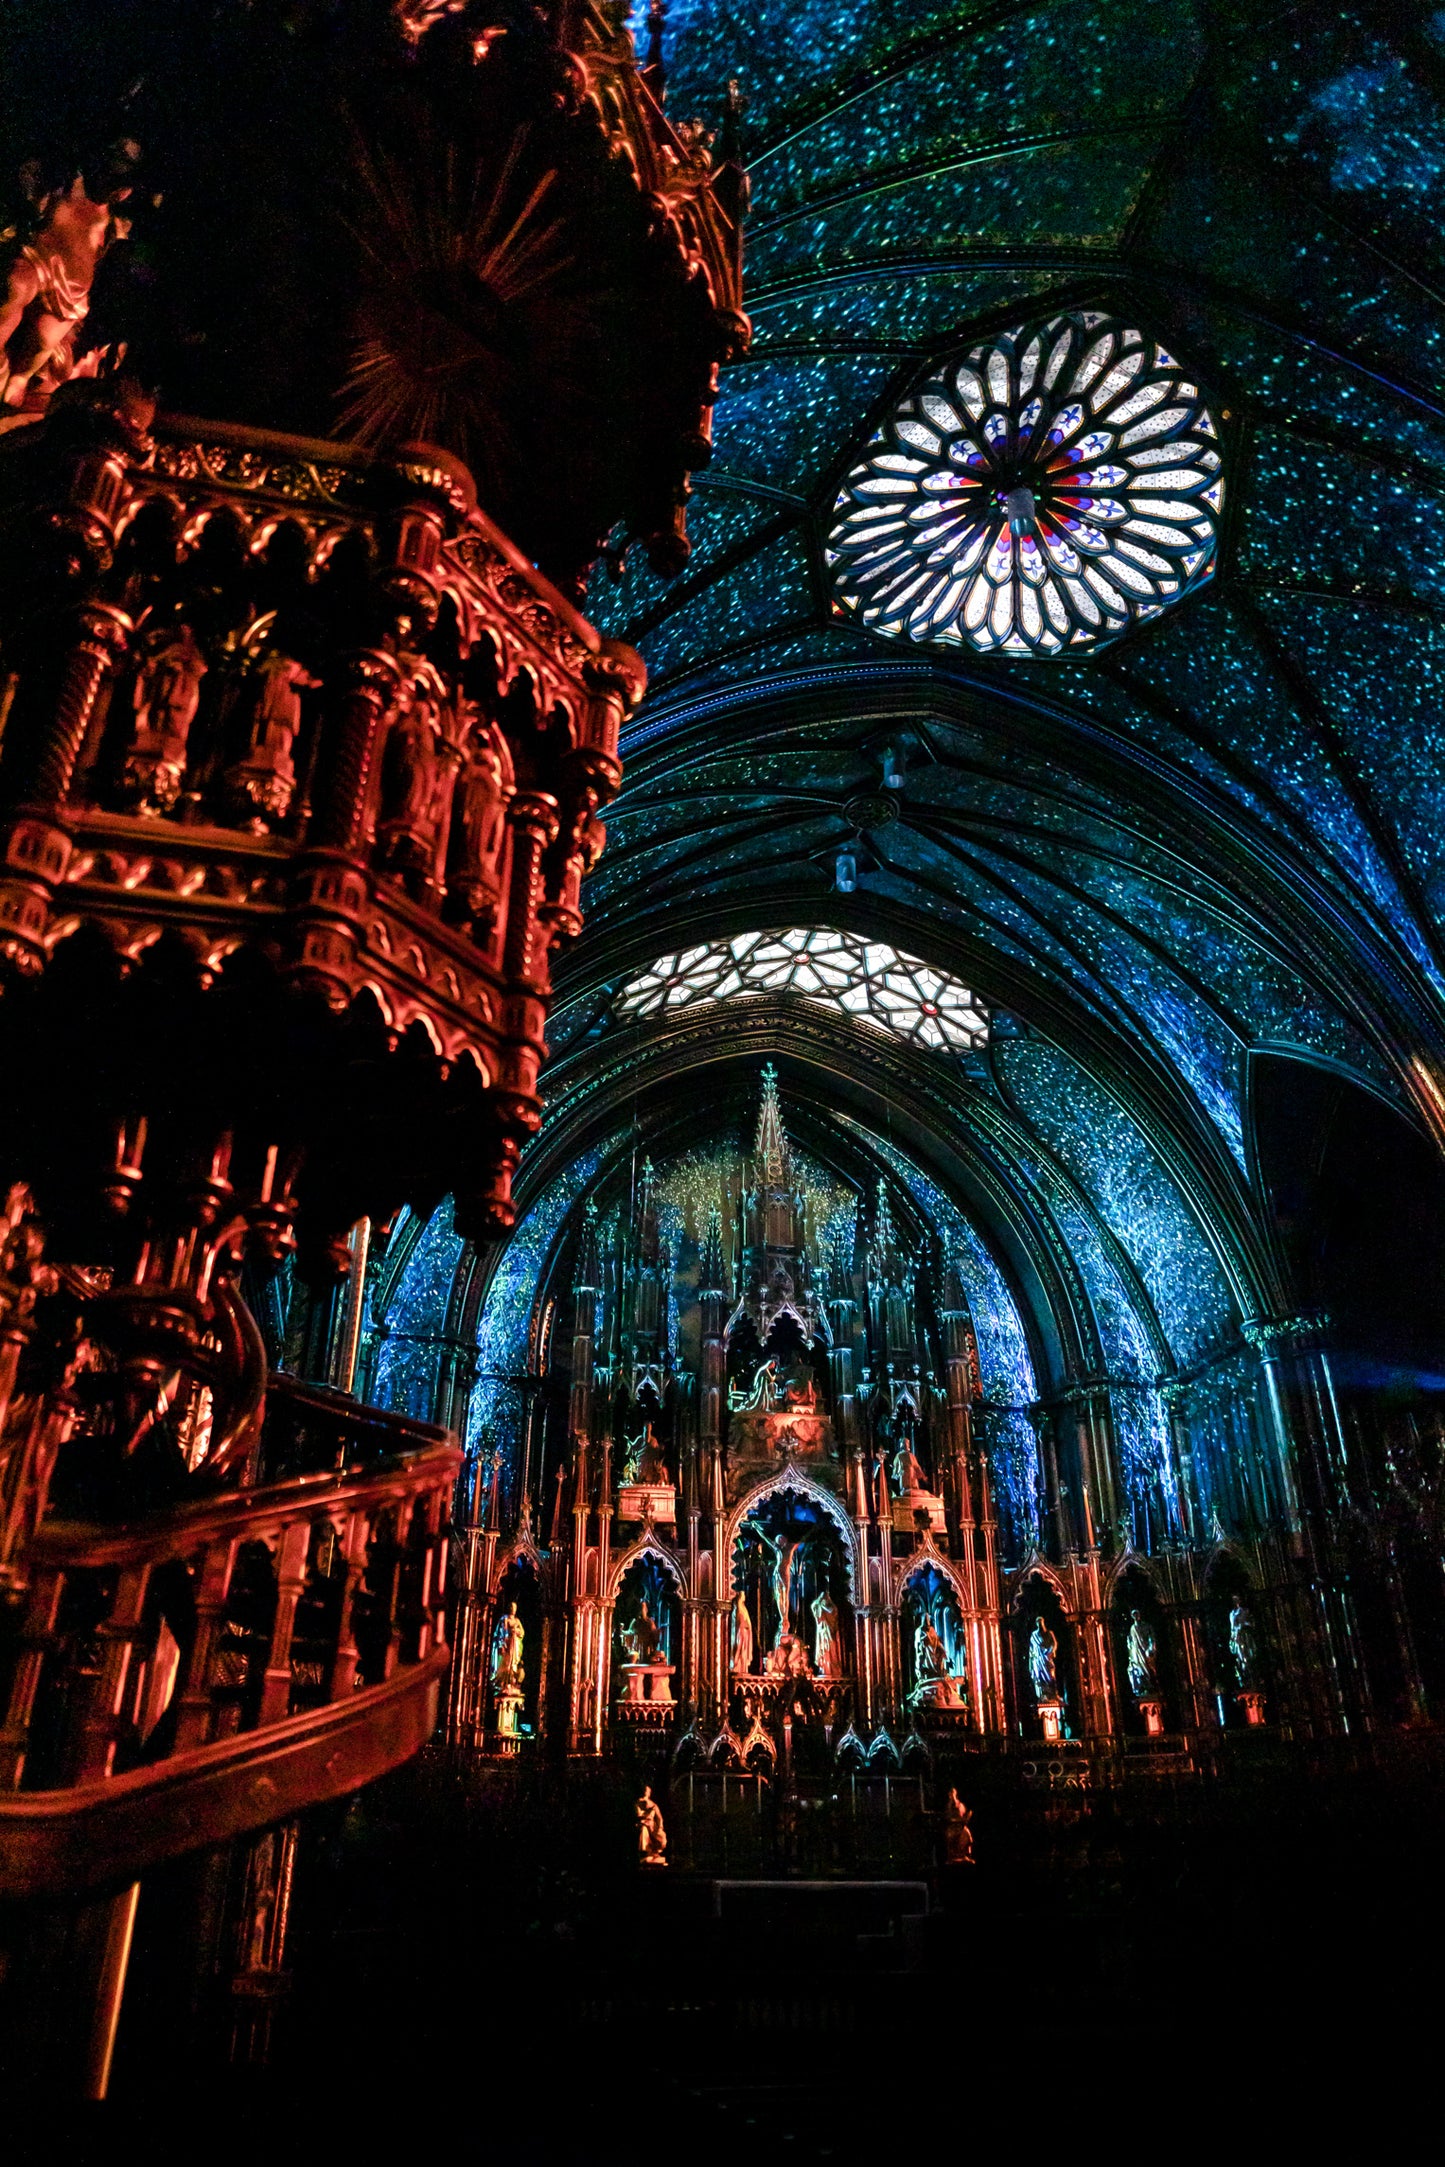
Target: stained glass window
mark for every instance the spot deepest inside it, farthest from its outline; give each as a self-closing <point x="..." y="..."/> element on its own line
<point x="1058" y="484"/>
<point x="867" y="980"/>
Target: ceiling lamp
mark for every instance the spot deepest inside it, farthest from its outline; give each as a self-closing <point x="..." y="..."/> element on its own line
<point x="1055" y="486"/>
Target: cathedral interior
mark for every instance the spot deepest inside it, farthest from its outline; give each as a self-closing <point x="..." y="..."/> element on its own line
<point x="722" y="1064"/>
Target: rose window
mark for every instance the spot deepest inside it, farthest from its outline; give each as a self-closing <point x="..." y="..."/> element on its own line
<point x="1058" y="484"/>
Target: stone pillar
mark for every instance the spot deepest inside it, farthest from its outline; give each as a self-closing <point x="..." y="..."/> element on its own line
<point x="351" y="738"/>
<point x="1312" y="1461"/>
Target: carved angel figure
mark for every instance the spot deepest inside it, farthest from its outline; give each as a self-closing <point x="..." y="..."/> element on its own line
<point x="651" y="1467"/>
<point x="47" y="285"/>
<point x="651" y="1835"/>
<point x="957" y="1831"/>
<point x="262" y="780"/>
<point x="165" y="697"/>
<point x="908" y="1471"/>
<point x="643" y="1638"/>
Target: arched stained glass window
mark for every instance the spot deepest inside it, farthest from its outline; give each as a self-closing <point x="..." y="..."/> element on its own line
<point x="1058" y="484"/>
<point x="866" y="980"/>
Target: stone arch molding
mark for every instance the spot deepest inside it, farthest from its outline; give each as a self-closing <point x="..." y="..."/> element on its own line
<point x="928" y="1553"/>
<point x="647" y="1546"/>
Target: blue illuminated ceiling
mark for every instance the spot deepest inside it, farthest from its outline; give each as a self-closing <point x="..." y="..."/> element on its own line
<point x="1225" y="833"/>
<point x="1220" y="836"/>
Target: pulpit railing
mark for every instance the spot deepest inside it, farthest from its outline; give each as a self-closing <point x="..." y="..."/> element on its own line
<point x="212" y="1669"/>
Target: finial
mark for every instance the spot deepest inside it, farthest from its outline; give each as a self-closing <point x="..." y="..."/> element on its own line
<point x="770" y="1148"/>
<point x="713" y="1276"/>
<point x="653" y="72"/>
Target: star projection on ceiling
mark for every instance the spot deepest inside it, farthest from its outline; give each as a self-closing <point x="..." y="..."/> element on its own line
<point x="1058" y="484"/>
<point x="867" y="980"/>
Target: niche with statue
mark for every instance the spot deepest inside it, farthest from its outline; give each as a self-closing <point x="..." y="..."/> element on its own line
<point x="647" y="1631"/>
<point x="1234" y="1644"/>
<point x="1041" y="1639"/>
<point x="935" y="1667"/>
<point x="516" y="1658"/>
<point x="790" y="1593"/>
<point x="1141" y="1655"/>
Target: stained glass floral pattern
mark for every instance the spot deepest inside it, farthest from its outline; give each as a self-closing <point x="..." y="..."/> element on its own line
<point x="867" y="980"/>
<point x="1057" y="485"/>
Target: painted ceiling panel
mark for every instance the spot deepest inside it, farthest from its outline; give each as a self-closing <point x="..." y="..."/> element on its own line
<point x="719" y="520"/>
<point x="766" y="590"/>
<point x="873" y="306"/>
<point x="799" y="56"/>
<point x="1053" y="71"/>
<point x="1027" y="198"/>
<point x="1292" y="384"/>
<point x="1110" y="1158"/>
<point x="1395" y="736"/>
<point x="820" y="648"/>
<point x="1271" y="252"/>
<point x="778" y="421"/>
<point x="1320" y="517"/>
<point x="1351" y="112"/>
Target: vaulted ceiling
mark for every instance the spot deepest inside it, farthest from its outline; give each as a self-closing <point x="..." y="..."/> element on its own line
<point x="1220" y="837"/>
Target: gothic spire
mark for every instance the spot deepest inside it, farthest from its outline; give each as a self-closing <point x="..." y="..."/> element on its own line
<point x="587" y="1274"/>
<point x="885" y="1258"/>
<point x="770" y="1149"/>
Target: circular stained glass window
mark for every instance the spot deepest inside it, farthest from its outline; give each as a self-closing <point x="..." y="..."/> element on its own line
<point x="1058" y="484"/>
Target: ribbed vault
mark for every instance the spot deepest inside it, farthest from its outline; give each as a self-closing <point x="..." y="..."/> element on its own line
<point x="1196" y="877"/>
<point x="1222" y="834"/>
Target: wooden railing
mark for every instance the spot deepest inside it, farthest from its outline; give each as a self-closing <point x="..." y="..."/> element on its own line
<point x="219" y="1667"/>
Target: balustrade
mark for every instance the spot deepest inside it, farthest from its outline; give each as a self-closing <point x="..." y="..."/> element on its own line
<point x="209" y="1670"/>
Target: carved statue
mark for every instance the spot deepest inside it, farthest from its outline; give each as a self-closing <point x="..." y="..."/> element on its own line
<point x="46" y="294"/>
<point x="799" y="1387"/>
<point x="507" y="1667"/>
<point x="789" y="1659"/>
<point x="742" y="1661"/>
<point x="478" y="831"/>
<point x="930" y="1653"/>
<point x="957" y="1831"/>
<point x="651" y="1467"/>
<point x="1043" y="1662"/>
<point x="1140" y="1654"/>
<point x="643" y="1638"/>
<point x="262" y="780"/>
<point x="418" y="775"/>
<point x="1243" y="1644"/>
<point x="781" y="1548"/>
<point x="827" y="1637"/>
<point x="651" y="1835"/>
<point x="165" y="697"/>
<point x="908" y="1473"/>
<point x="762" y="1397"/>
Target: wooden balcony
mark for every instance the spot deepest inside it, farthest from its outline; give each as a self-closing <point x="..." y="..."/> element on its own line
<point x="217" y="1668"/>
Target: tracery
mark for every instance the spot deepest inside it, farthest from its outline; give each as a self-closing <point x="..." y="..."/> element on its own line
<point x="868" y="981"/>
<point x="1050" y="489"/>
